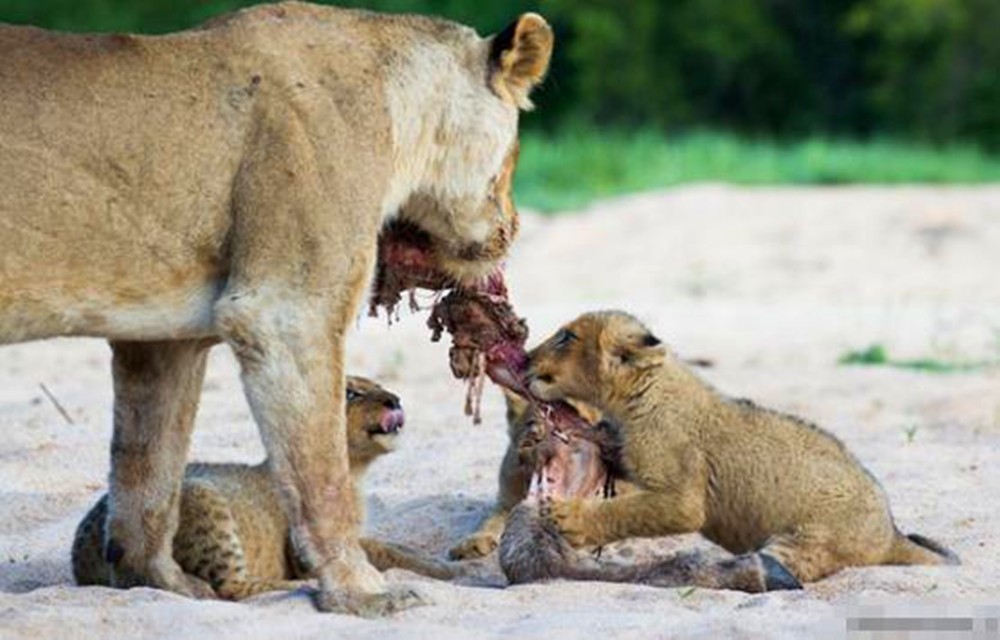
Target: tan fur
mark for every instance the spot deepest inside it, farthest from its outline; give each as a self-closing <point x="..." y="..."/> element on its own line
<point x="228" y="183"/>
<point x="748" y="478"/>
<point x="233" y="534"/>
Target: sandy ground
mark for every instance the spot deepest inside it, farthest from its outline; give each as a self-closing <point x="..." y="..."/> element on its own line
<point x="773" y="285"/>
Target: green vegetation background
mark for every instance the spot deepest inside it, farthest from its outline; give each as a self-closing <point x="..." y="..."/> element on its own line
<point x="648" y="93"/>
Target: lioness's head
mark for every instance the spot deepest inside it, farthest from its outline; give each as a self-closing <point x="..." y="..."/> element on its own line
<point x="456" y="141"/>
<point x="374" y="418"/>
<point x="600" y="358"/>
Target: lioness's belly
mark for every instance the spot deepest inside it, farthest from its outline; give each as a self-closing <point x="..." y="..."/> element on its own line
<point x="116" y="164"/>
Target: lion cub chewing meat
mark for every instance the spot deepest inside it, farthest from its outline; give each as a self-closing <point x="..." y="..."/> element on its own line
<point x="782" y="494"/>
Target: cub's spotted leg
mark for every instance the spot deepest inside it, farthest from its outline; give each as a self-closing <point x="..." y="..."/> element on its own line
<point x="209" y="545"/>
<point x="388" y="555"/>
<point x="157" y="386"/>
<point x="485" y="539"/>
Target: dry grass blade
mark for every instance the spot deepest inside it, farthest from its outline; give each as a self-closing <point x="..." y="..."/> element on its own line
<point x="55" y="402"/>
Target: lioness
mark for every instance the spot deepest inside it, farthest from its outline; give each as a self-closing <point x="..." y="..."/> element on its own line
<point x="755" y="481"/>
<point x="229" y="183"/>
<point x="232" y="532"/>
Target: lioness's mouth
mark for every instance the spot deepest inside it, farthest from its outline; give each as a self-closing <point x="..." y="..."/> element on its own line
<point x="405" y="263"/>
<point x="488" y="337"/>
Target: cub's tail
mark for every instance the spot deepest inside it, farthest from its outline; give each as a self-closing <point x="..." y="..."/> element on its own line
<point x="917" y="549"/>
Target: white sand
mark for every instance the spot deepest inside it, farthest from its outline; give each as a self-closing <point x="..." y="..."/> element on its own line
<point x="771" y="284"/>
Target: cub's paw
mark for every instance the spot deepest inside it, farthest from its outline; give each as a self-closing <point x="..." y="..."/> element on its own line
<point x="369" y="605"/>
<point x="478" y="545"/>
<point x="575" y="521"/>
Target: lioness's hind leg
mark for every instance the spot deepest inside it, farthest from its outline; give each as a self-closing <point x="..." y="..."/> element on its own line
<point x="157" y="386"/>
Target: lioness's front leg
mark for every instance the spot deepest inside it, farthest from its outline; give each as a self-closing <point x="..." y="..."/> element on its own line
<point x="294" y="382"/>
<point x="641" y="514"/>
<point x="303" y="251"/>
<point x="157" y="386"/>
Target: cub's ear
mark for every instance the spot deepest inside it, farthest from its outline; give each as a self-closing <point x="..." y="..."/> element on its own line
<point x="641" y="351"/>
<point x="649" y="340"/>
<point x="519" y="57"/>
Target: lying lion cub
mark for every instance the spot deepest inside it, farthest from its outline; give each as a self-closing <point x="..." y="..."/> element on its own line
<point x="755" y="481"/>
<point x="233" y="533"/>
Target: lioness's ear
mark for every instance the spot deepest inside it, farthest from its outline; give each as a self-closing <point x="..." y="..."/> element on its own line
<point x="519" y="57"/>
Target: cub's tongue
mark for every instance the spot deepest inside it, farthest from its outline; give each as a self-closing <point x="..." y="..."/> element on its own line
<point x="392" y="420"/>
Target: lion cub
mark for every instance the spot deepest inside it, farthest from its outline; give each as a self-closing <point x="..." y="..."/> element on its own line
<point x="757" y="482"/>
<point x="233" y="533"/>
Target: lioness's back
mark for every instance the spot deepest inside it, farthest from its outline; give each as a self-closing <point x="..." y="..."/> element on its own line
<point x="120" y="154"/>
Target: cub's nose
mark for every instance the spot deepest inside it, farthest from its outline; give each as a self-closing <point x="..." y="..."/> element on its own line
<point x="392" y="403"/>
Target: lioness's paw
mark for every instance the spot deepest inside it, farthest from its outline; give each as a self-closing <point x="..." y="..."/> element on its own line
<point x="477" y="545"/>
<point x="198" y="588"/>
<point x="166" y="576"/>
<point x="575" y="522"/>
<point x="369" y="605"/>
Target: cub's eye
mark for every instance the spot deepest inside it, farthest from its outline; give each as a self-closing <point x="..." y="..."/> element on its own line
<point x="564" y="337"/>
<point x="353" y="395"/>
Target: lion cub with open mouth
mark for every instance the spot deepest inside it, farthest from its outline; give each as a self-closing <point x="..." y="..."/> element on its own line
<point x="783" y="493"/>
<point x="233" y="533"/>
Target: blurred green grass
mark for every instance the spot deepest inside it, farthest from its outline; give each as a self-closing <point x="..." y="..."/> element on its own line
<point x="568" y="170"/>
<point x="877" y="356"/>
